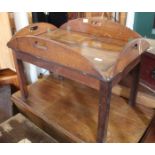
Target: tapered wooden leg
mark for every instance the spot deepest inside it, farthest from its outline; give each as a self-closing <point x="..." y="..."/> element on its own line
<point x="103" y="113"/>
<point x="21" y="77"/>
<point x="134" y="85"/>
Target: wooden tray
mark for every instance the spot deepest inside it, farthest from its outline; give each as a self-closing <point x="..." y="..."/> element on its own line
<point x="101" y="49"/>
<point x="96" y="53"/>
<point x="68" y="111"/>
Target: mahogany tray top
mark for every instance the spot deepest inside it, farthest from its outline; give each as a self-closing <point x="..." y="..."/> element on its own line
<point x="96" y="53"/>
<point x="104" y="50"/>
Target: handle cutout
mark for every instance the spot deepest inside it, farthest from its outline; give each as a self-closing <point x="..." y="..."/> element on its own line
<point x="40" y="45"/>
<point x="33" y="28"/>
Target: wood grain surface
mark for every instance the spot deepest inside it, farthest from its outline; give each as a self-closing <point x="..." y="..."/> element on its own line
<point x="100" y="48"/>
<point x="87" y="51"/>
<point x="9" y="77"/>
<point x="68" y="111"/>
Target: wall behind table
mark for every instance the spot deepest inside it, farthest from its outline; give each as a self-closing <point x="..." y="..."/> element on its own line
<point x="6" y="58"/>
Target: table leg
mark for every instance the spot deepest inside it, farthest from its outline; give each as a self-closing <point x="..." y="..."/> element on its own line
<point x="21" y="77"/>
<point x="103" y="113"/>
<point x="134" y="85"/>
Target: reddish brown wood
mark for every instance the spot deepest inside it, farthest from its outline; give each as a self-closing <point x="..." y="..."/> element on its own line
<point x="131" y="51"/>
<point x="149" y="135"/>
<point x="9" y="77"/>
<point x="103" y="111"/>
<point x="68" y="111"/>
<point x="147" y="73"/>
<point x="35" y="29"/>
<point x="52" y="46"/>
<point x="134" y="85"/>
<point x="58" y="69"/>
<point x="124" y="73"/>
<point x="21" y="76"/>
<point x="56" y="52"/>
<point x="101" y="28"/>
<point x="92" y="53"/>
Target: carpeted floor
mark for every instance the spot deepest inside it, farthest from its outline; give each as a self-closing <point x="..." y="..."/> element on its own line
<point x="5" y="103"/>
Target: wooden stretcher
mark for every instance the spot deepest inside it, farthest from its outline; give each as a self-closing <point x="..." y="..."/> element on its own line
<point x="96" y="53"/>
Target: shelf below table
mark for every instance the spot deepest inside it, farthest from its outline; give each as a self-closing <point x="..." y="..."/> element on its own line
<point x="68" y="111"/>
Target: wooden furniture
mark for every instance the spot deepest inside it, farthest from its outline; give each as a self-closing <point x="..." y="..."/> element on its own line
<point x="18" y="129"/>
<point x="96" y="53"/>
<point x="149" y="136"/>
<point x="144" y="96"/>
<point x="147" y="74"/>
<point x="9" y="77"/>
<point x="68" y="111"/>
